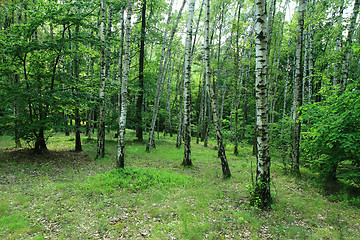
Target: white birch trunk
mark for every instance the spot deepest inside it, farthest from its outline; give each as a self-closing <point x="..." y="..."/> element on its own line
<point x="261" y="196"/>
<point x="187" y="87"/>
<point x="181" y="112"/>
<point x="311" y="65"/>
<point x="216" y="120"/>
<point x="305" y="71"/>
<point x="101" y="119"/>
<point x="121" y="55"/>
<point x="161" y="74"/>
<point x="125" y="76"/>
<point x="297" y="96"/>
<point x="168" y="106"/>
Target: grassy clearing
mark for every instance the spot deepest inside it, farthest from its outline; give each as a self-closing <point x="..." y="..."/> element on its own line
<point x="68" y="195"/>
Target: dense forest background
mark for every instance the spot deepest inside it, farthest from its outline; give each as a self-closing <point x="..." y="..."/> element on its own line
<point x="190" y="69"/>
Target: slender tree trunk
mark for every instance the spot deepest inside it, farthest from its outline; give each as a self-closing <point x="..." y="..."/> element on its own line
<point x="120" y="60"/>
<point x="221" y="148"/>
<point x="208" y="120"/>
<point x="161" y="74"/>
<point x="261" y="195"/>
<point x="92" y="110"/>
<point x="120" y="157"/>
<point x="159" y="85"/>
<point x="245" y="107"/>
<point x="221" y="110"/>
<point x="305" y="71"/>
<point x="297" y="100"/>
<point x="288" y="69"/>
<point x="187" y="87"/>
<point x="168" y="106"/>
<point x="78" y="147"/>
<point x="140" y="97"/>
<point x="217" y="85"/>
<point x="270" y="21"/>
<point x="16" y="115"/>
<point x="201" y="110"/>
<point x="237" y="75"/>
<point x="311" y="64"/>
<point x="181" y="112"/>
<point x="101" y="119"/>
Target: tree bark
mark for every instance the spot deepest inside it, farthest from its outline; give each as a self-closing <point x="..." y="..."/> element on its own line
<point x="161" y="74"/>
<point x="120" y="157"/>
<point x="181" y="112"/>
<point x="297" y="98"/>
<point x="311" y="64"/>
<point x="140" y="97"/>
<point x="187" y="89"/>
<point x="101" y="119"/>
<point x="16" y="115"/>
<point x="120" y="60"/>
<point x="261" y="195"/>
<point x="78" y="147"/>
<point x="221" y="148"/>
<point x="168" y="106"/>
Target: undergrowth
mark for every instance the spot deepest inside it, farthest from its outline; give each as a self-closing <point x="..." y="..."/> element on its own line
<point x="69" y="195"/>
<point x="134" y="179"/>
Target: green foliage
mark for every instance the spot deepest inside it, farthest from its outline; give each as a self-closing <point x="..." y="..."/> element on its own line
<point x="281" y="140"/>
<point x="332" y="134"/>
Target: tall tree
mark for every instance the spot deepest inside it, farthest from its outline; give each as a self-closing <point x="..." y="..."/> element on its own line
<point x="140" y="96"/>
<point x="187" y="88"/>
<point x="234" y="103"/>
<point x="101" y="120"/>
<point x="221" y="148"/>
<point x="78" y="147"/>
<point x="297" y="95"/>
<point x="160" y="81"/>
<point x="120" y="157"/>
<point x="261" y="195"/>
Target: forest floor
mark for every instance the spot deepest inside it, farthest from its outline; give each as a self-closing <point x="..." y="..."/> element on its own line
<point x="68" y="195"/>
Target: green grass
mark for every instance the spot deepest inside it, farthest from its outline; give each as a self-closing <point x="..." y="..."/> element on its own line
<point x="69" y="195"/>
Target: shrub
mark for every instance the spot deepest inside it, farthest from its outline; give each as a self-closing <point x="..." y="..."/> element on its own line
<point x="332" y="134"/>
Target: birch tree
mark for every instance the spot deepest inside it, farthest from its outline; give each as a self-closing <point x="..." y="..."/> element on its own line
<point x="101" y="120"/>
<point x="297" y="96"/>
<point x="120" y="156"/>
<point x="77" y="113"/>
<point x="261" y="195"/>
<point x="161" y="73"/>
<point x="187" y="88"/>
<point x="216" y="120"/>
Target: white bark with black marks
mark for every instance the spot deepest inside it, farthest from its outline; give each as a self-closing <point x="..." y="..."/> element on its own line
<point x="261" y="195"/>
<point x="161" y="74"/>
<point x="297" y="92"/>
<point x="120" y="157"/>
<point x="216" y="120"/>
<point x="187" y="87"/>
<point x="101" y="120"/>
